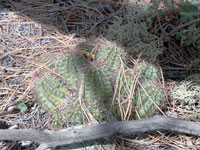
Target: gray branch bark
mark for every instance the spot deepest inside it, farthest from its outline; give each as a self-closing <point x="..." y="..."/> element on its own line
<point x="49" y="138"/>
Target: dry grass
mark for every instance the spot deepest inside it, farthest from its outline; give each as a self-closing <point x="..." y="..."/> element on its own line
<point x="39" y="31"/>
<point x="21" y="53"/>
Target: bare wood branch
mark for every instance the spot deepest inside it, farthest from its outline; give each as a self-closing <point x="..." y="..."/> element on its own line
<point x="49" y="138"/>
<point x="165" y="35"/>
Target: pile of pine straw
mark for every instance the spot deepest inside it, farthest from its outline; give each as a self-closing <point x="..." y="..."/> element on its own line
<point x="36" y="28"/>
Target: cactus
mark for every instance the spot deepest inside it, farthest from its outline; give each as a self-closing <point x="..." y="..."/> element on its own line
<point x="51" y="94"/>
<point x="73" y="113"/>
<point x="148" y="99"/>
<point x="149" y="72"/>
<point x="72" y="68"/>
<point x="149" y="94"/>
<point x="110" y="56"/>
<point x="97" y="85"/>
<point x="75" y="70"/>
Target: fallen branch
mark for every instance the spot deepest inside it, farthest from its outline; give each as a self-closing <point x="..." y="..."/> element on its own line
<point x="71" y="136"/>
<point x="165" y="35"/>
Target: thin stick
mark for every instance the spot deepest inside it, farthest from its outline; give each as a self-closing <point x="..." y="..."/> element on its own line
<point x="165" y="35"/>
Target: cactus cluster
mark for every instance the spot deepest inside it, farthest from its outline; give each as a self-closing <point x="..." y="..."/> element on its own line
<point x="88" y="84"/>
<point x="79" y="77"/>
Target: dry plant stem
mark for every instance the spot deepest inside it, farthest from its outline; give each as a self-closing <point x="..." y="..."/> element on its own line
<point x="165" y="35"/>
<point x="49" y="138"/>
<point x="64" y="24"/>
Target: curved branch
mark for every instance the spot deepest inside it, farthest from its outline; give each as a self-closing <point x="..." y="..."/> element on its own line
<point x="49" y="138"/>
<point x="165" y="35"/>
